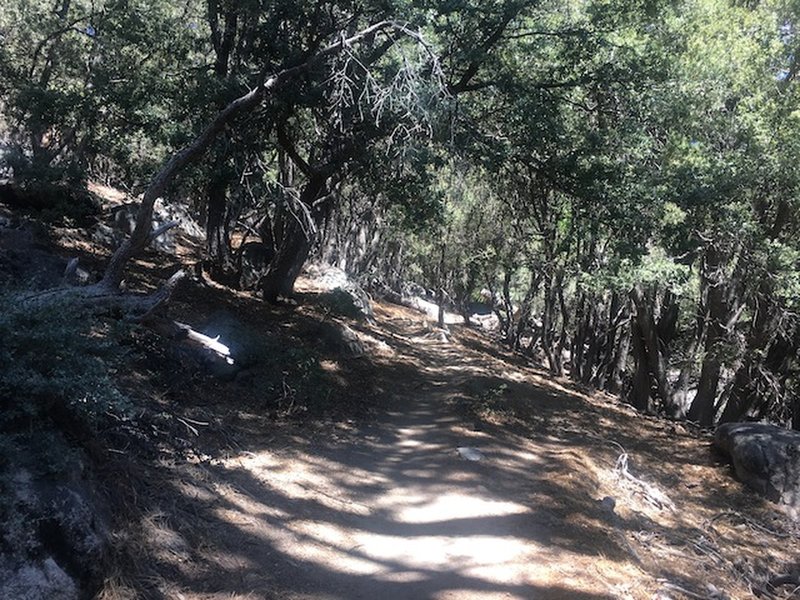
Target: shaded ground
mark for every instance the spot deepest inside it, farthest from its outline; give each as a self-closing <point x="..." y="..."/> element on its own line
<point x="315" y="476"/>
<point x="381" y="505"/>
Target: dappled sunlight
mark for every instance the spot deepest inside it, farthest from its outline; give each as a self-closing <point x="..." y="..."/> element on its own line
<point x="390" y="508"/>
<point x="452" y="506"/>
<point x="414" y="533"/>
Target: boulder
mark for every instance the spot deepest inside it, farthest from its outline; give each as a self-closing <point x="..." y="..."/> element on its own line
<point x="245" y="345"/>
<point x="343" y="296"/>
<point x="339" y="338"/>
<point x="53" y="534"/>
<point x="765" y="458"/>
<point x="121" y="220"/>
<point x="350" y="301"/>
<point x="327" y="277"/>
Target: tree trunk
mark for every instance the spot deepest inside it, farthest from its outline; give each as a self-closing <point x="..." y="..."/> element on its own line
<point x="579" y="337"/>
<point x="285" y="267"/>
<point x="297" y="236"/>
<point x="591" y="364"/>
<point x="548" y="324"/>
<point x="441" y="282"/>
<point x="640" y="396"/>
<point x="618" y="366"/>
<point x="563" y="338"/>
<point x="217" y="242"/>
<point x="509" y="332"/>
<point x="652" y="335"/>
<point x="703" y="409"/>
<point x="523" y="318"/>
<point x="605" y="343"/>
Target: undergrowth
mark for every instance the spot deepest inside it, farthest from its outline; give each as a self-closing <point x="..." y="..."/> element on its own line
<point x="57" y="370"/>
<point x="56" y="374"/>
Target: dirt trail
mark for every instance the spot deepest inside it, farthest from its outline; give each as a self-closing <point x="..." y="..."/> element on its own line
<point x="388" y="509"/>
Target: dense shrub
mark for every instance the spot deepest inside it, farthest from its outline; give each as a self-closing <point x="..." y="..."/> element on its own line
<point x="67" y="203"/>
<point x="55" y="365"/>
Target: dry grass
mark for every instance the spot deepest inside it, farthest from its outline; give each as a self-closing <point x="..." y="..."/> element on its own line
<point x="687" y="526"/>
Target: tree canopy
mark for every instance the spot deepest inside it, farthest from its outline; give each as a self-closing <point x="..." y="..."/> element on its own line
<point x="619" y="179"/>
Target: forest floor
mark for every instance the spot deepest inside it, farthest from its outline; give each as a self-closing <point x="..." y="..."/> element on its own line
<point x="314" y="475"/>
<point x="575" y="496"/>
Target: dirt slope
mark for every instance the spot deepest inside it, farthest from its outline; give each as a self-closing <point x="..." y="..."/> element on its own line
<point x="385" y="507"/>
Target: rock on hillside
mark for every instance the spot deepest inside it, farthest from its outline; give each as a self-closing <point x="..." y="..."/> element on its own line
<point x="765" y="457"/>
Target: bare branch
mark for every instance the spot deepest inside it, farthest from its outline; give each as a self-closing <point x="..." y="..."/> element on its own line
<point x="162" y="229"/>
<point x="141" y="234"/>
<point x="69" y="272"/>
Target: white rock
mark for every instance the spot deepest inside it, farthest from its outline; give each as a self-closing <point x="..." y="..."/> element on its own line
<point x="468" y="453"/>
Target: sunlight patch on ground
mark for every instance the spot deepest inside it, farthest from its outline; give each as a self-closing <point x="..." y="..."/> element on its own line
<point x="457" y="506"/>
<point x="312" y="479"/>
<point x="516" y="376"/>
<point x="403" y="534"/>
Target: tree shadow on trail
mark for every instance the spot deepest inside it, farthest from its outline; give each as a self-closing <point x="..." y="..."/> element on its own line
<point x="319" y="535"/>
<point x="387" y="509"/>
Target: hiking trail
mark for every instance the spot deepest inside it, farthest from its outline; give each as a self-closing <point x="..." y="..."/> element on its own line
<point x="388" y="508"/>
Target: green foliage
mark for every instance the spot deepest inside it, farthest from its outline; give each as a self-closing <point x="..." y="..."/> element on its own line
<point x="489" y="402"/>
<point x="92" y="86"/>
<point x="56" y="362"/>
<point x="299" y="383"/>
<point x="56" y="386"/>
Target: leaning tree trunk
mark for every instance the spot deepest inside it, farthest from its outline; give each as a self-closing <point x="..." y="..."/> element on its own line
<point x="285" y="267"/>
<point x="297" y="237"/>
<point x="107" y="292"/>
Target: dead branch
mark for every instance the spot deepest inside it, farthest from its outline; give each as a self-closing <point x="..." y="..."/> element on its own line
<point x="189" y="427"/>
<point x="751" y="522"/>
<point x="160" y="297"/>
<point x="70" y="271"/>
<point x="682" y="590"/>
<point x="651" y="493"/>
<point x="205" y="342"/>
<point x="100" y="298"/>
<point x="161" y="230"/>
